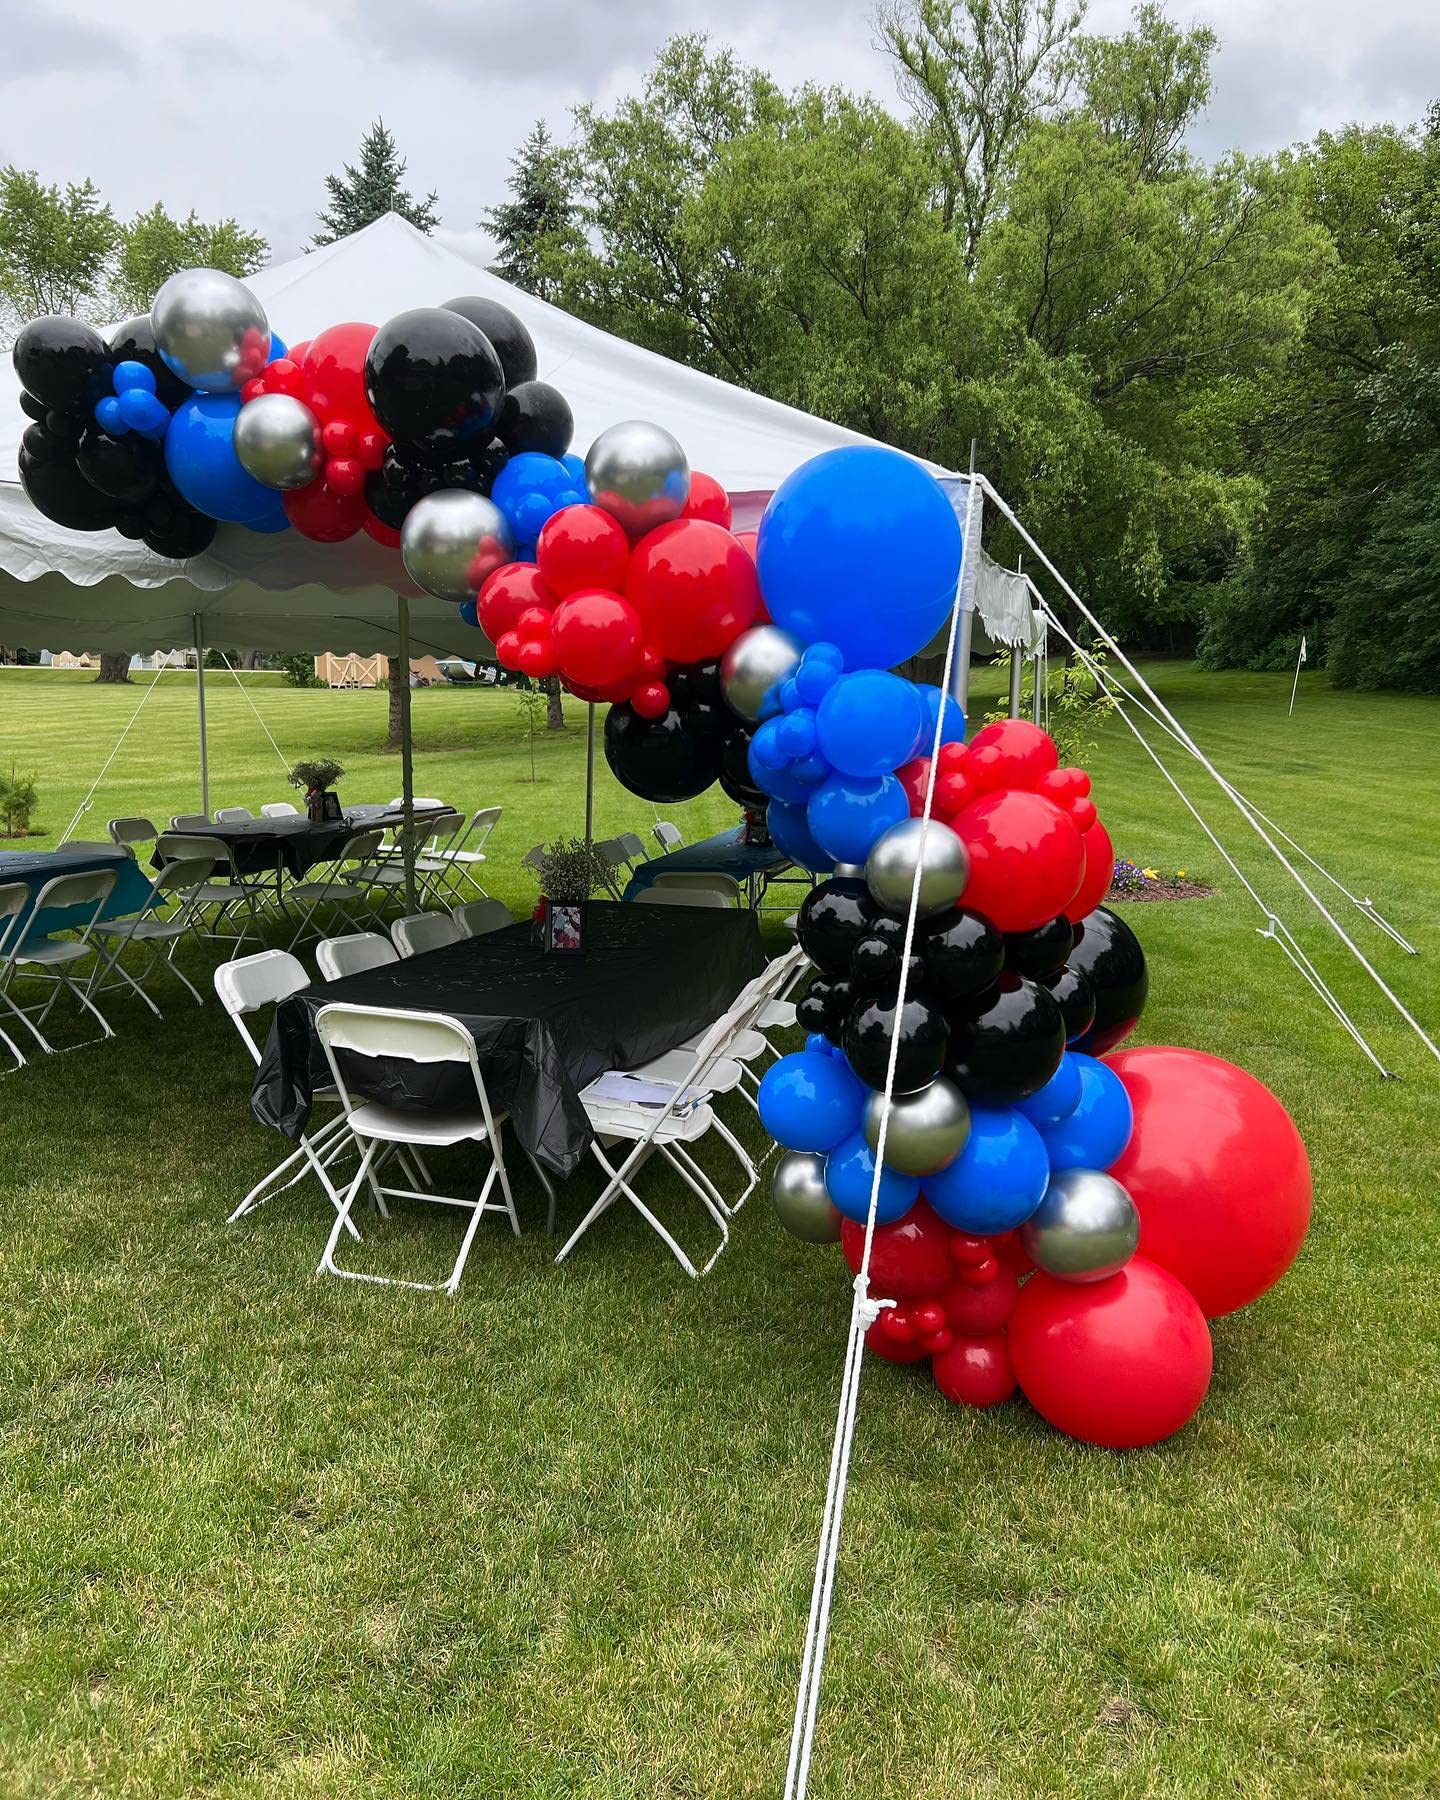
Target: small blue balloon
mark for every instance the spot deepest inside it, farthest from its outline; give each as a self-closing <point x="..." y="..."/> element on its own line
<point x="810" y="1102"/>
<point x="846" y="815"/>
<point x="796" y="734"/>
<point x="1098" y="1129"/>
<point x="277" y="519"/>
<point x="850" y="1174"/>
<point x="766" y="750"/>
<point x="870" y="722"/>
<point x="815" y="676"/>
<point x="142" y="412"/>
<point x="997" y="1180"/>
<point x="109" y="416"/>
<point x="1057" y="1099"/>
<point x="953" y="729"/>
<point x="278" y="347"/>
<point x="130" y="375"/>
<point x="790" y="833"/>
<point x="470" y="612"/>
<point x="528" y="491"/>
<point x="571" y="497"/>
<point x="576" y="466"/>
<point x="200" y="456"/>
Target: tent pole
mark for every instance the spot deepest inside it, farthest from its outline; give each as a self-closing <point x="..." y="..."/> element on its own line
<point x="969" y="572"/>
<point x="400" y="669"/>
<point x="200" y="705"/>
<point x="590" y="772"/>
<point x="1017" y="663"/>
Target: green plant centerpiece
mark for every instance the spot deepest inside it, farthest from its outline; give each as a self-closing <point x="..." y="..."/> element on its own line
<point x="570" y="872"/>
<point x="317" y="776"/>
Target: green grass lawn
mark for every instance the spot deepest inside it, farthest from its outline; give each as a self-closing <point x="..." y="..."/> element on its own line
<point x="267" y="1535"/>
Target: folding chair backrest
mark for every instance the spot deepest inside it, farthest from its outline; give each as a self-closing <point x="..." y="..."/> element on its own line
<point x="233" y="815"/>
<point x="15" y="899"/>
<point x="132" y="831"/>
<point x="362" y="847"/>
<point x="399" y="801"/>
<point x="376" y="1031"/>
<point x="612" y="851"/>
<point x="84" y="889"/>
<point x="248" y="983"/>
<point x="352" y="955"/>
<point x="175" y="846"/>
<point x="425" y="931"/>
<point x="279" y="809"/>
<point x="632" y="846"/>
<point x="666" y="835"/>
<point x="701" y="881"/>
<point x="484" y="822"/>
<point x="188" y="821"/>
<point x="684" y="896"/>
<point x="184" y="873"/>
<point x="476" y="917"/>
<point x="533" y="857"/>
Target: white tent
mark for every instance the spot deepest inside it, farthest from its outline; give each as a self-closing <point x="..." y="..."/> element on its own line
<point x="93" y="591"/>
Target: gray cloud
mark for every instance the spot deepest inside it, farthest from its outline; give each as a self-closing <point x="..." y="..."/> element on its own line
<point x="53" y="43"/>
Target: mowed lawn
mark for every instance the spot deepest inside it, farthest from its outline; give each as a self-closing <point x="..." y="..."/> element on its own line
<point x="268" y="1535"/>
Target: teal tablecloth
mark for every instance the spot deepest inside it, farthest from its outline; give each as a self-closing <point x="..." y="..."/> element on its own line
<point x="36" y="867"/>
<point x="723" y="854"/>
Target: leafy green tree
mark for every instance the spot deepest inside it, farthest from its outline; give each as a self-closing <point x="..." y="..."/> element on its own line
<point x="538" y="230"/>
<point x="153" y="245"/>
<point x="55" y="244"/>
<point x="369" y="189"/>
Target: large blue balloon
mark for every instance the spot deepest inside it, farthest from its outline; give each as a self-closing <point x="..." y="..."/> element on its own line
<point x="1057" y="1099"/>
<point x="810" y="1101"/>
<point x="997" y="1180"/>
<point x="860" y="547"/>
<point x="870" y="722"/>
<point x="952" y="731"/>
<point x="530" y="488"/>
<point x="790" y="832"/>
<point x="200" y="455"/>
<point x="1099" y="1128"/>
<point x="846" y="814"/>
<point x="849" y="1174"/>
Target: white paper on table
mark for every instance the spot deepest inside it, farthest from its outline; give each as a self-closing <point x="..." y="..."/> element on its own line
<point x="636" y="1090"/>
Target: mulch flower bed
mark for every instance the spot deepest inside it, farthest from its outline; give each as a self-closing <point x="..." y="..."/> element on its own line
<point x="1131" y="882"/>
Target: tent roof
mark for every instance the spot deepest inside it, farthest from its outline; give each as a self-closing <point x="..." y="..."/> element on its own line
<point x="96" y="590"/>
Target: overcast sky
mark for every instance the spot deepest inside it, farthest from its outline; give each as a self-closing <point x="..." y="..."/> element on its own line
<point x="246" y="115"/>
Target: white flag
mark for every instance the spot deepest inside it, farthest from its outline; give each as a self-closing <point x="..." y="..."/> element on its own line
<point x="1303" y="656"/>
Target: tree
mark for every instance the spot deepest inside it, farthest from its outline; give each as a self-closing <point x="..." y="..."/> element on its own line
<point x="367" y="192"/>
<point x="54" y="245"/>
<point x="152" y="246"/>
<point x="555" y="702"/>
<point x="538" y="230"/>
<point x="1146" y="87"/>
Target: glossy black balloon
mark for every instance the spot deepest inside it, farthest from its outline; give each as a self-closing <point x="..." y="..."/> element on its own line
<point x="1108" y="952"/>
<point x="488" y="462"/>
<point x="62" y="362"/>
<point x="67" y="426"/>
<point x="735" y="776"/>
<point x="393" y="488"/>
<point x="833" y="917"/>
<point x="57" y="488"/>
<point x="698" y="684"/>
<point x="126" y="468"/>
<point x="962" y="952"/>
<point x="134" y="341"/>
<point x="1042" y="951"/>
<point x="1007" y="1043"/>
<point x="41" y="445"/>
<point x="662" y="760"/>
<point x="920" y="1054"/>
<point x="1075" y="998"/>
<point x="432" y="377"/>
<point x="825" y="1007"/>
<point x="187" y="534"/>
<point x="536" y="416"/>
<point x="876" y="964"/>
<point x="33" y="408"/>
<point x="131" y="523"/>
<point x="510" y="340"/>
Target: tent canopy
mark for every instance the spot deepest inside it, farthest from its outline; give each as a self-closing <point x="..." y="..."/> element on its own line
<point x="95" y="590"/>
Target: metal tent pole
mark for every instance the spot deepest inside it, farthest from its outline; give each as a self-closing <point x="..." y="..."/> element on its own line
<point x="198" y="624"/>
<point x="590" y="773"/>
<point x="959" y="683"/>
<point x="1017" y="663"/>
<point x="401" y="668"/>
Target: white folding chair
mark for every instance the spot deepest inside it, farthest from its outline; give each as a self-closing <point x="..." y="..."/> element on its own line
<point x="15" y="899"/>
<point x="533" y="857"/>
<point x="383" y="876"/>
<point x="338" y="957"/>
<point x="218" y="897"/>
<point x="465" y="853"/>
<point x="420" y="932"/>
<point x="666" y="835"/>
<point x="477" y="917"/>
<point x="665" y="895"/>
<point x="279" y="809"/>
<point x="129" y="832"/>
<point x="178" y="884"/>
<point x="721" y="890"/>
<point x="333" y="890"/>
<point x="634" y="848"/>
<point x="189" y="821"/>
<point x="56" y="960"/>
<point x="612" y="854"/>
<point x="378" y="1034"/>
<point x="233" y="815"/>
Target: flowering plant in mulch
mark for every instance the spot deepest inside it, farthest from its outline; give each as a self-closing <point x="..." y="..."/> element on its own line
<point x="1132" y="882"/>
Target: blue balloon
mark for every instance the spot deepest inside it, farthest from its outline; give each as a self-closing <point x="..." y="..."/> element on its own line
<point x="109" y="417"/>
<point x="470" y="612"/>
<point x="849" y="1175"/>
<point x="997" y="1180"/>
<point x="1057" y="1099"/>
<point x="133" y="375"/>
<point x="278" y="347"/>
<point x="200" y="455"/>
<point x="846" y="814"/>
<point x="277" y="519"/>
<point x="576" y="465"/>
<point x="952" y="731"/>
<point x="529" y="489"/>
<point x="810" y="1102"/>
<point x="1099" y="1128"/>
<point x="142" y="412"/>
<point x="860" y="547"/>
<point x="790" y="833"/>
<point x="870" y="722"/>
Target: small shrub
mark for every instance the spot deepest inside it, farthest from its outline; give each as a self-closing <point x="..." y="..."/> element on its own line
<point x="18" y="800"/>
<point x="298" y="671"/>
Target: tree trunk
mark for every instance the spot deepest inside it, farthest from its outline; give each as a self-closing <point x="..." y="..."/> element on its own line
<point x="114" y="666"/>
<point x="399" y="680"/>
<point x="555" y="711"/>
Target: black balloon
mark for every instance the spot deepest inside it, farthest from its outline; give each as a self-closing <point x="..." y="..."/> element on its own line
<point x="1042" y="951"/>
<point x="512" y="343"/>
<point x="41" y="445"/>
<point x="1006" y="1044"/>
<point x="536" y="416"/>
<point x="393" y="488"/>
<point x="833" y="917"/>
<point x="131" y="524"/>
<point x="920" y="1053"/>
<point x="57" y="488"/>
<point x="825" y="1007"/>
<point x="1075" y="998"/>
<point x="697" y="684"/>
<point x="432" y="377"/>
<point x="134" y="341"/>
<point x="662" y="760"/>
<point x="33" y="408"/>
<point x="62" y="362"/>
<point x="962" y="952"/>
<point x="878" y="957"/>
<point x="488" y="463"/>
<point x="186" y="535"/>
<point x="1108" y="952"/>
<point x="65" y="425"/>
<point x="735" y="776"/>
<point x="126" y="468"/>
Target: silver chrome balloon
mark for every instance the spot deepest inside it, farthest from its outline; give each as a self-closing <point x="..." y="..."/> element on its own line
<point x="757" y="661"/>
<point x="277" y="439"/>
<point x="802" y="1205"/>
<point x="890" y="867"/>
<point x="638" y="473"/>
<point x="453" y="539"/>
<point x="1084" y="1229"/>
<point x="211" y="330"/>
<point x="928" y="1128"/>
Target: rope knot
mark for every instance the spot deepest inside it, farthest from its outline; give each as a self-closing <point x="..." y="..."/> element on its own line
<point x="867" y="1310"/>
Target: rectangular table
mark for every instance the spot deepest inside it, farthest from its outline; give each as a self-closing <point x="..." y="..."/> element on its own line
<point x="723" y="854"/>
<point x="297" y="845"/>
<point x="36" y="867"/>
<point x="545" y="1023"/>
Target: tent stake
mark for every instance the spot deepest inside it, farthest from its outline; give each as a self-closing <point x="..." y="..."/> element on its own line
<point x="200" y="705"/>
<point x="400" y="669"/>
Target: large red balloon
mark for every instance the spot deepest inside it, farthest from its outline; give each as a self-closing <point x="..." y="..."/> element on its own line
<point x="582" y="547"/>
<point x="1099" y="869"/>
<point x="1120" y="1362"/>
<point x="975" y="1371"/>
<point x="1022" y="752"/>
<point x="695" y="588"/>
<point x="319" y="512"/>
<point x="1217" y="1172"/>
<point x="909" y="1260"/>
<point x="708" y="500"/>
<point x="1026" y="858"/>
<point x="333" y="375"/>
<point x="507" y="592"/>
<point x="598" y="637"/>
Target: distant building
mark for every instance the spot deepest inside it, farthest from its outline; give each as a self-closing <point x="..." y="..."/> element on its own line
<point x="354" y="671"/>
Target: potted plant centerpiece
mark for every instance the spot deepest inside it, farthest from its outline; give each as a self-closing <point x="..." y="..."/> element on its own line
<point x="318" y="778"/>
<point x="569" y="872"/>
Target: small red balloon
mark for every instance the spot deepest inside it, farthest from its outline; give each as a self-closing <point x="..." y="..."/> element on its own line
<point x="909" y="1260"/>
<point x="253" y="389"/>
<point x="914" y="778"/>
<point x="1025" y="752"/>
<point x="1099" y="869"/>
<point x="708" y="500"/>
<point x="975" y="1371"/>
<point x="372" y="445"/>
<point x="1217" y="1171"/>
<point x="1026" y="858"/>
<point x="340" y="438"/>
<point x="651" y="699"/>
<point x="596" y="696"/>
<point x="536" y="656"/>
<point x="582" y="547"/>
<point x="318" y="512"/>
<point x="333" y="374"/>
<point x="977" y="1311"/>
<point x="1121" y="1362"/>
<point x="694" y="587"/>
<point x="345" y="474"/>
<point x="881" y="1339"/>
<point x="506" y="593"/>
<point x="382" y="533"/>
<point x="283" y="376"/>
<point x="598" y="637"/>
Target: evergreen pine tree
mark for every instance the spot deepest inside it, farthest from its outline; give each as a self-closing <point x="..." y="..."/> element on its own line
<point x="533" y="230"/>
<point x="367" y="192"/>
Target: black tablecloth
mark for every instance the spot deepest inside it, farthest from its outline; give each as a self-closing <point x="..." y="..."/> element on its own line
<point x="261" y="846"/>
<point x="545" y="1024"/>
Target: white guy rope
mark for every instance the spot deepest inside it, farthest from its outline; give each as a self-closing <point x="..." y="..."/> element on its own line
<point x="285" y="763"/>
<point x="89" y="800"/>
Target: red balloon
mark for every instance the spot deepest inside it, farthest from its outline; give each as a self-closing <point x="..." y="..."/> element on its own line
<point x="975" y="1371"/>
<point x="748" y="541"/>
<point x="596" y="696"/>
<point x="345" y="474"/>
<point x="1099" y="870"/>
<point x="334" y="374"/>
<point x="695" y="589"/>
<point x="372" y="442"/>
<point x="1120" y="1362"/>
<point x="340" y="438"/>
<point x="598" y="637"/>
<point x="882" y="1339"/>
<point x="708" y="500"/>
<point x="318" y="512"/>
<point x="651" y="700"/>
<point x="536" y="656"/>
<point x="296" y="353"/>
<point x="1026" y="858"/>
<point x="382" y="533"/>
<point x="913" y="777"/>
<point x="505" y="595"/>
<point x="283" y="376"/>
<point x="582" y="547"/>
<point x="1026" y="753"/>
<point x="1217" y="1172"/>
<point x="972" y="1311"/>
<point x="909" y="1260"/>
